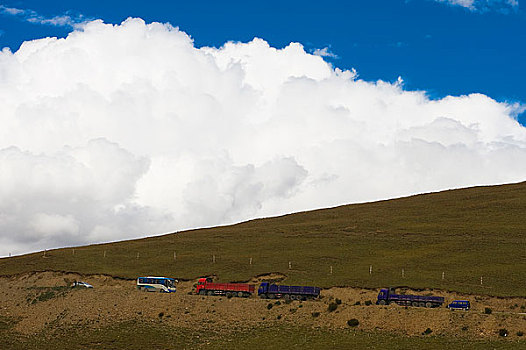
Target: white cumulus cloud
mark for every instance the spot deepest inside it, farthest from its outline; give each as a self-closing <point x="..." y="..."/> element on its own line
<point x="123" y="131"/>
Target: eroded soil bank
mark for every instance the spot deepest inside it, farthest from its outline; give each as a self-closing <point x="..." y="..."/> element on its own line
<point x="44" y="300"/>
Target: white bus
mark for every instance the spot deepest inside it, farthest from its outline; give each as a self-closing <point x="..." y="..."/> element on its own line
<point x="156" y="284"/>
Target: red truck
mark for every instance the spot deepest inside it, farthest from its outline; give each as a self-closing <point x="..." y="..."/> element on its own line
<point x="205" y="286"/>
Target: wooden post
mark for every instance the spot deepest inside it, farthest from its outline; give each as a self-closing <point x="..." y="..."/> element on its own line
<point x="73" y="251"/>
<point x="250" y="262"/>
<point x="45" y="251"/>
<point x="443" y="275"/>
<point x="214" y="258"/>
<point x="331" y="269"/>
<point x="480" y="280"/>
<point x="290" y="265"/>
<point x="403" y="273"/>
<point x="104" y="254"/>
<point x="371" y="270"/>
<point x="137" y="255"/>
<point x="175" y="256"/>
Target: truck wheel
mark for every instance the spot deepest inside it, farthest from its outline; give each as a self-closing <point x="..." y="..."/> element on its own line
<point x="428" y="304"/>
<point x="287" y="296"/>
<point x="202" y="292"/>
<point x="381" y="302"/>
<point x="210" y="292"/>
<point x="240" y="294"/>
<point x="263" y="296"/>
<point x="293" y="297"/>
<point x="422" y="304"/>
<point x="414" y="303"/>
<point x="271" y="296"/>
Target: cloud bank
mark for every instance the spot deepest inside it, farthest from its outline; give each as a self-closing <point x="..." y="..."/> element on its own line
<point x="122" y="131"/>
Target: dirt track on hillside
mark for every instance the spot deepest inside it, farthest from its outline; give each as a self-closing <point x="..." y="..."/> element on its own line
<point x="24" y="299"/>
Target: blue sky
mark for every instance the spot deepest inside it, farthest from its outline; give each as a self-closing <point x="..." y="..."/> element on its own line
<point x="444" y="48"/>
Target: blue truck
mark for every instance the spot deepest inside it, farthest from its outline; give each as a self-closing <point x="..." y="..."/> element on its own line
<point x="459" y="305"/>
<point x="276" y="291"/>
<point x="388" y="296"/>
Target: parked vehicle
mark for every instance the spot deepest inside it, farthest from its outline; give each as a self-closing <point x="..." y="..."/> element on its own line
<point x="156" y="284"/>
<point x="81" y="284"/>
<point x="459" y="305"/>
<point x="205" y="286"/>
<point x="275" y="291"/>
<point x="387" y="296"/>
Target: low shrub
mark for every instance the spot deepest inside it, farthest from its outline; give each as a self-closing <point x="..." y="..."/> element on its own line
<point x="503" y="332"/>
<point x="270" y="306"/>
<point x="315" y="314"/>
<point x="353" y="322"/>
<point x="368" y="302"/>
<point x="520" y="334"/>
<point x="338" y="301"/>
<point x="332" y="307"/>
<point x="357" y="303"/>
<point x="428" y="331"/>
<point x="488" y="311"/>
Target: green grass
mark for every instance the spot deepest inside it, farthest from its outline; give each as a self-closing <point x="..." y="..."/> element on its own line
<point x="136" y="335"/>
<point x="468" y="234"/>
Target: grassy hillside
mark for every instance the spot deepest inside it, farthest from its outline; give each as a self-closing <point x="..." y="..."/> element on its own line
<point x="465" y="234"/>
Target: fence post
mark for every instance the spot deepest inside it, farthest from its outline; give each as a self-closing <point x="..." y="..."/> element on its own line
<point x="290" y="265"/>
<point x="480" y="280"/>
<point x="214" y="258"/>
<point x="371" y="270"/>
<point x="443" y="275"/>
<point x="250" y="262"/>
<point x="137" y="255"/>
<point x="331" y="269"/>
<point x="104" y="254"/>
<point x="403" y="273"/>
<point x="175" y="256"/>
